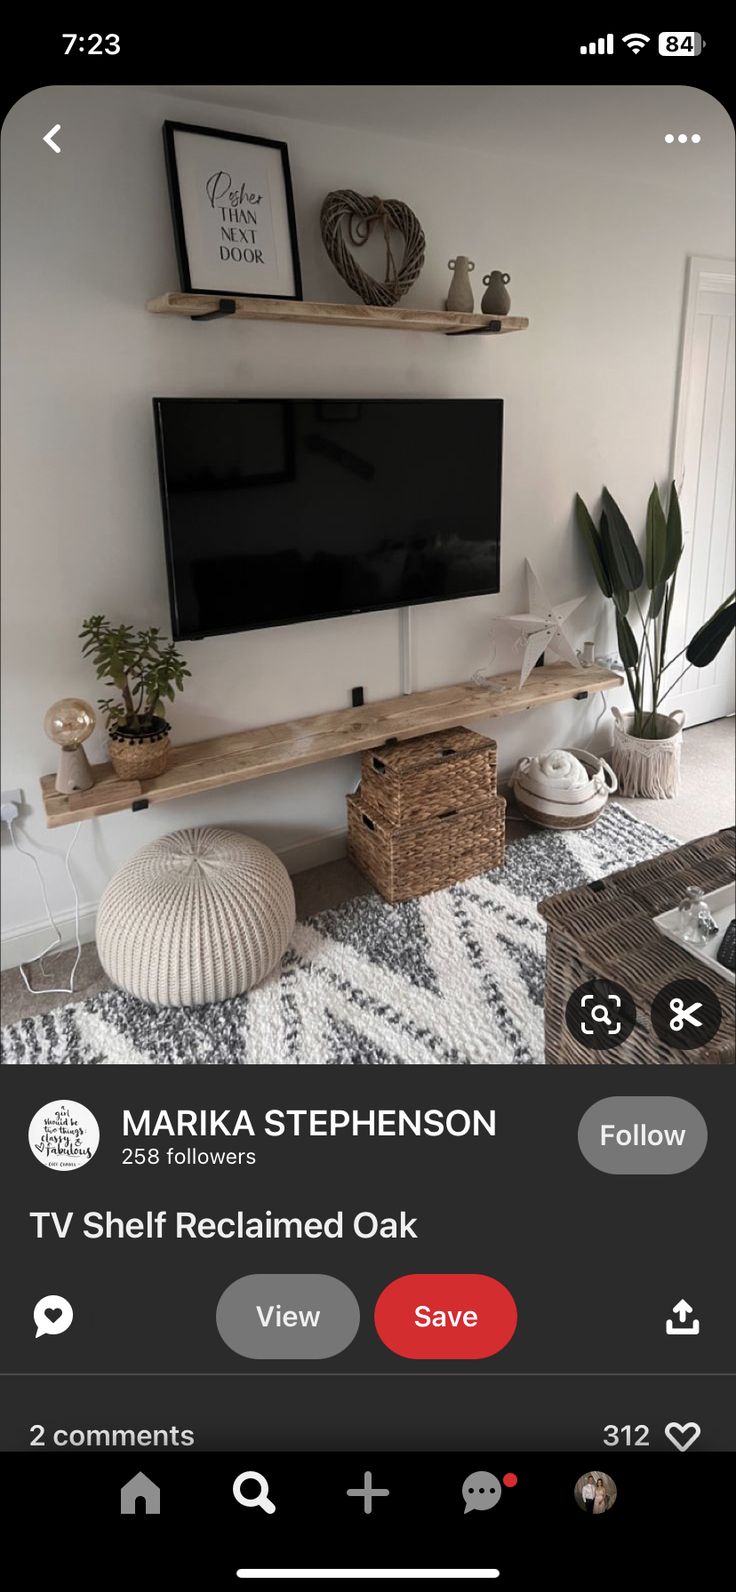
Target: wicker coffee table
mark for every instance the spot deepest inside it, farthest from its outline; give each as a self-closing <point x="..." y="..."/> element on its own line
<point x="605" y="930"/>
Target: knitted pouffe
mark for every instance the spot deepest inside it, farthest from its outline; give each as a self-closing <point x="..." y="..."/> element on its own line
<point x="197" y="916"/>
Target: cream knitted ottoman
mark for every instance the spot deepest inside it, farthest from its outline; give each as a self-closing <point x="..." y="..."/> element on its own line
<point x="197" y="916"/>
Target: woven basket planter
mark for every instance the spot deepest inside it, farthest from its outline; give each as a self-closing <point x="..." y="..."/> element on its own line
<point x="647" y="767"/>
<point x="413" y="781"/>
<point x="137" y="754"/>
<point x="403" y="863"/>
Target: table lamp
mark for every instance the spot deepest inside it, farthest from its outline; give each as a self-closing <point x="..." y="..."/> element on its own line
<point x="69" y="723"/>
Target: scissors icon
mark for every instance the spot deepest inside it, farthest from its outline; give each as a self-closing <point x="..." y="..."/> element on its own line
<point x="683" y="1014"/>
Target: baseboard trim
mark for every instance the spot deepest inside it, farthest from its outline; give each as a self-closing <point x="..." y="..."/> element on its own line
<point x="312" y="853"/>
<point x="26" y="942"/>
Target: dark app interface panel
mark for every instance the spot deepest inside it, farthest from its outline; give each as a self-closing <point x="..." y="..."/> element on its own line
<point x="402" y="1228"/>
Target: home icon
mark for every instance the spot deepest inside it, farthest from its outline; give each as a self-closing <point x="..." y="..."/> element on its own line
<point x="140" y="1496"/>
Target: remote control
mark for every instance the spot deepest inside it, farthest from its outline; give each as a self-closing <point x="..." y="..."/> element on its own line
<point x="726" y="953"/>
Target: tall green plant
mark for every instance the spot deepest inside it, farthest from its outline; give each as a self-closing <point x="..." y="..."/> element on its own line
<point x="624" y="576"/>
<point x="143" y="666"/>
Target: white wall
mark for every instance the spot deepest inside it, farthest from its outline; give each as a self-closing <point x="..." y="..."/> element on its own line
<point x="577" y="196"/>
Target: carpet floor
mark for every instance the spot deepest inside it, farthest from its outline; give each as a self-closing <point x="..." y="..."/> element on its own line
<point x="456" y="977"/>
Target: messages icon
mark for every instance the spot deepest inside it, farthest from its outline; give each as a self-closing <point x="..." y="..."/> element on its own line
<point x="481" y="1490"/>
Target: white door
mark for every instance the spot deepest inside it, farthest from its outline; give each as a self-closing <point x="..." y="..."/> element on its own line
<point x="704" y="472"/>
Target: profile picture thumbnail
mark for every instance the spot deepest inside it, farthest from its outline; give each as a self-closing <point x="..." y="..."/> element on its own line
<point x="595" y="1492"/>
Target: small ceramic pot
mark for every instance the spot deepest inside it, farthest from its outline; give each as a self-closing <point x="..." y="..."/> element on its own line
<point x="496" y="300"/>
<point x="140" y="754"/>
<point x="460" y="296"/>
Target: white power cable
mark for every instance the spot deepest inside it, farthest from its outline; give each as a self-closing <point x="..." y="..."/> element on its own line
<point x="55" y="948"/>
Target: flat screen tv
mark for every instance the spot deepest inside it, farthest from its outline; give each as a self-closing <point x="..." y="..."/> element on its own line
<point x="281" y="510"/>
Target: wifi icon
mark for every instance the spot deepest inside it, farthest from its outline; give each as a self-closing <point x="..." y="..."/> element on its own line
<point x="635" y="41"/>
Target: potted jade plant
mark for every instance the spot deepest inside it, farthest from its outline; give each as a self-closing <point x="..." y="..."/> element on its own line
<point x="646" y="742"/>
<point x="147" y="671"/>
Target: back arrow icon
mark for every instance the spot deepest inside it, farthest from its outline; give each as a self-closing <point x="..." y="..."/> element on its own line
<point x="48" y="138"/>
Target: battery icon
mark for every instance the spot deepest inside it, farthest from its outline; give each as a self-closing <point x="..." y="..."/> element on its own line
<point x="681" y="44"/>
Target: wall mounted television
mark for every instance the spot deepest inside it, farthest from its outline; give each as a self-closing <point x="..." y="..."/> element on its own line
<point x="282" y="510"/>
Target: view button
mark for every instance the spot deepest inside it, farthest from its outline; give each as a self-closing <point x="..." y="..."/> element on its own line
<point x="445" y="1316"/>
<point x="288" y="1316"/>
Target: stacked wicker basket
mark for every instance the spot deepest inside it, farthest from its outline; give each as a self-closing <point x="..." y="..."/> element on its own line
<point x="426" y="814"/>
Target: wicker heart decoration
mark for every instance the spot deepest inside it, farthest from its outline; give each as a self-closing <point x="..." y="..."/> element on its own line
<point x="361" y="214"/>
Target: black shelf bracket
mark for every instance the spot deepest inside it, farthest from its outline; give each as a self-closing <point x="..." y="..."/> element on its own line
<point x="581" y="696"/>
<point x="226" y="307"/>
<point x="477" y="331"/>
<point x="140" y="805"/>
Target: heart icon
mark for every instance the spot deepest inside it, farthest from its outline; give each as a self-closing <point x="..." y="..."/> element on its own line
<point x="52" y="1315"/>
<point x="682" y="1436"/>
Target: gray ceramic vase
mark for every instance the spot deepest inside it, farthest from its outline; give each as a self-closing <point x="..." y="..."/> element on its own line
<point x="460" y="296"/>
<point x="496" y="299"/>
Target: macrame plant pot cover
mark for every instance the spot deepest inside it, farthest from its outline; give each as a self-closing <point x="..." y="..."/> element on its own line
<point x="140" y="754"/>
<point x="647" y="767"/>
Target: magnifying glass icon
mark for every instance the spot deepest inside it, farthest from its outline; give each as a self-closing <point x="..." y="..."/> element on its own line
<point x="260" y="1499"/>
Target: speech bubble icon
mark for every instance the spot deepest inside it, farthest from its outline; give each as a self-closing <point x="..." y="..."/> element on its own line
<point x="481" y="1490"/>
<point x="52" y="1315"/>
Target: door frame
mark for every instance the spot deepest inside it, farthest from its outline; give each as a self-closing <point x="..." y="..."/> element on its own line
<point x="704" y="272"/>
<point x="713" y="275"/>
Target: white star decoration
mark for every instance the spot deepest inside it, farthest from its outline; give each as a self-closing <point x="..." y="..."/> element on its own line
<point x="543" y="628"/>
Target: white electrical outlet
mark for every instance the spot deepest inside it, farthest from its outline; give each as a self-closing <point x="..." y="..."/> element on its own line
<point x="14" y="796"/>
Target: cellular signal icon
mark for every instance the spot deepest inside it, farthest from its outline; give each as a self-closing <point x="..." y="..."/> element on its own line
<point x="603" y="46"/>
<point x="635" y="41"/>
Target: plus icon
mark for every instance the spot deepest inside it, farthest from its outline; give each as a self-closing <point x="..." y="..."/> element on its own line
<point x="368" y="1492"/>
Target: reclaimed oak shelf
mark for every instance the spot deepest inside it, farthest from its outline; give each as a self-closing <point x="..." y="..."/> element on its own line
<point x="251" y="754"/>
<point x="215" y="306"/>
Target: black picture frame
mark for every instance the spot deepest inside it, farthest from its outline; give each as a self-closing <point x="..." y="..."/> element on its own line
<point x="170" y="129"/>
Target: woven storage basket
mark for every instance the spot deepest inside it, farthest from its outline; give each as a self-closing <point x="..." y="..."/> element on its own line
<point x="554" y="804"/>
<point x="410" y="782"/>
<point x="408" y="862"/>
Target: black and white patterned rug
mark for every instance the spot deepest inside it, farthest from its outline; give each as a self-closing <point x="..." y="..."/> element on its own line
<point x="452" y="978"/>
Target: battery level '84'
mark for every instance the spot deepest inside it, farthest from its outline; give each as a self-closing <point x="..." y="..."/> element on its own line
<point x="93" y="43"/>
<point x="687" y="44"/>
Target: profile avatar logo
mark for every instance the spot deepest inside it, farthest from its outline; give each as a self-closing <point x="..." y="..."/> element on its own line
<point x="63" y="1135"/>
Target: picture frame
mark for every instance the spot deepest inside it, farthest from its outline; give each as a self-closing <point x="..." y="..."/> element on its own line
<point x="232" y="208"/>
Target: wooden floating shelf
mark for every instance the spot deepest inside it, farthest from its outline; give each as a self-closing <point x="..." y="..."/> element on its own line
<point x="251" y="754"/>
<point x="215" y="306"/>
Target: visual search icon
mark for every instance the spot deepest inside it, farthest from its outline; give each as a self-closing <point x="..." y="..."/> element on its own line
<point x="600" y="1014"/>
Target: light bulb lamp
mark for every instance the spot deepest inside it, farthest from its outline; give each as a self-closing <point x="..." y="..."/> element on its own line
<point x="68" y="723"/>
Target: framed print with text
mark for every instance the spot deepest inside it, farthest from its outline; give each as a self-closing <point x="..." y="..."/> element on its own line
<point x="233" y="213"/>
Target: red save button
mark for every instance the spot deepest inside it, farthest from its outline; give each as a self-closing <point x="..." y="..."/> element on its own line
<point x="445" y="1316"/>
